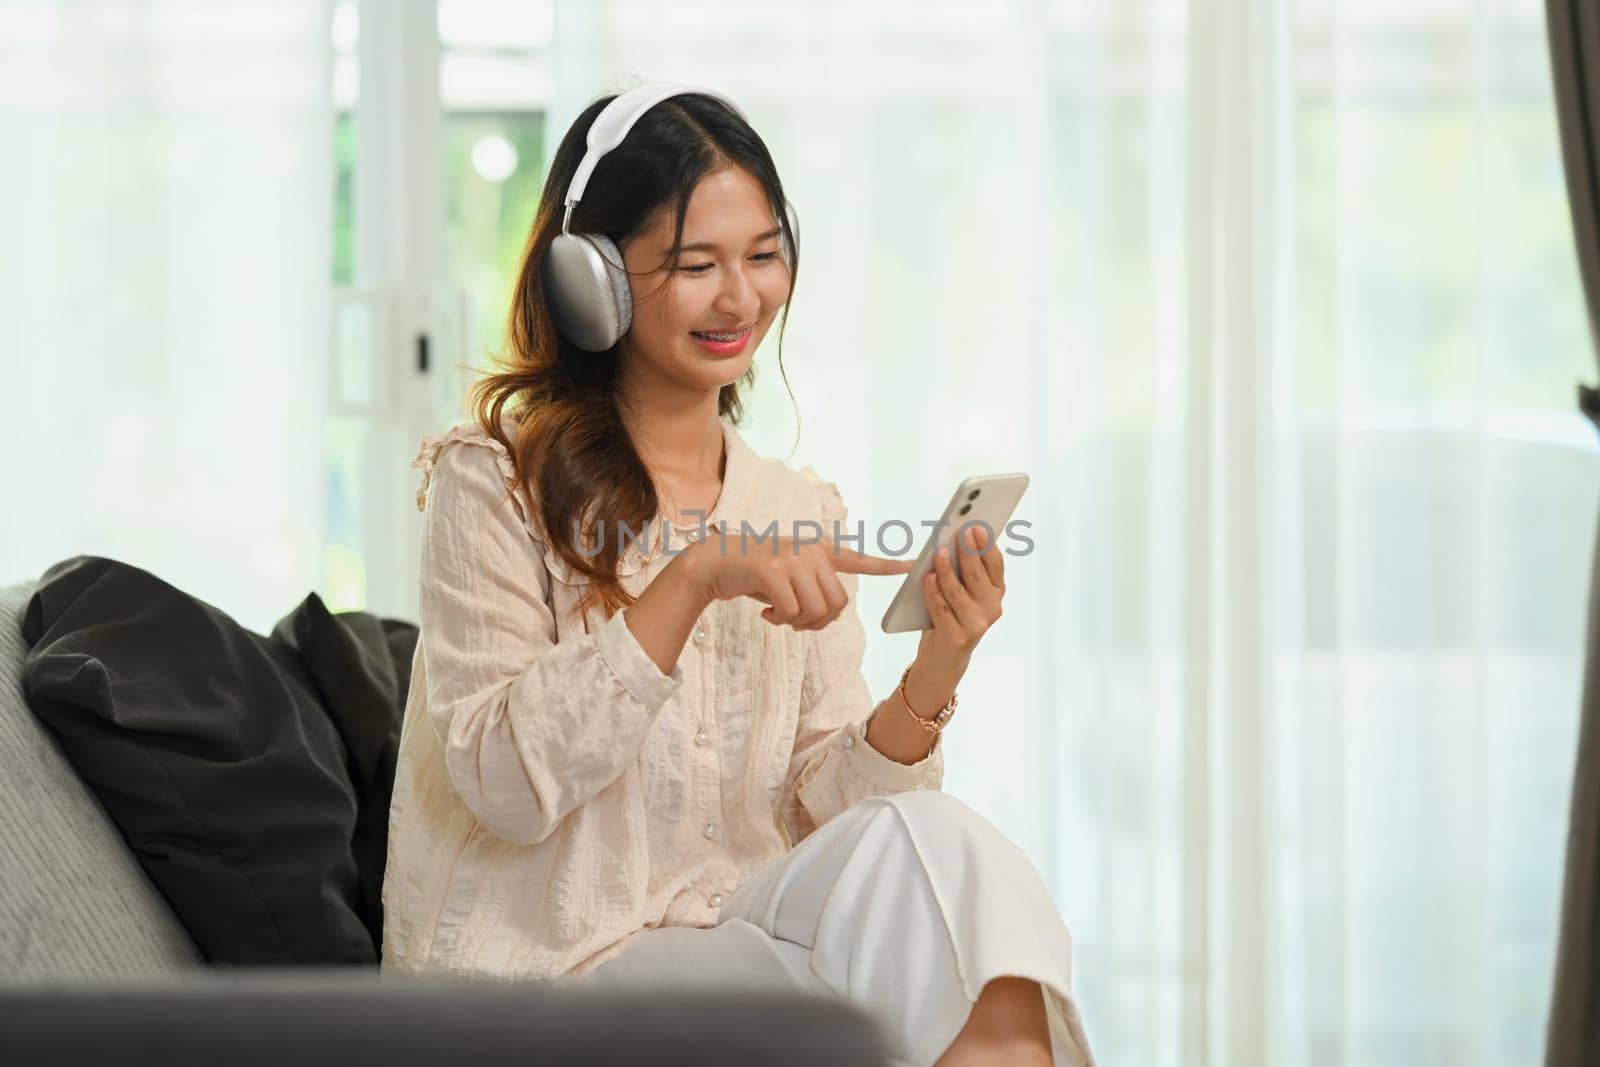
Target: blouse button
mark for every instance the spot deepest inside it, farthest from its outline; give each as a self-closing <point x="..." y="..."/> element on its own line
<point x="710" y="831"/>
<point x="849" y="742"/>
<point x="702" y="738"/>
<point x="699" y="635"/>
<point x="716" y="900"/>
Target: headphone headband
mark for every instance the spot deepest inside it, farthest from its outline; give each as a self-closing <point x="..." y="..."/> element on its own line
<point x="613" y="124"/>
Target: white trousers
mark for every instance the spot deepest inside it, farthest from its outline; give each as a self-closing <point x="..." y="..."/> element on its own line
<point x="905" y="905"/>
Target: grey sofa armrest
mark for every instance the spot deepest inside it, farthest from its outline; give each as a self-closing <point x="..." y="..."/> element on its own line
<point x="343" y="1018"/>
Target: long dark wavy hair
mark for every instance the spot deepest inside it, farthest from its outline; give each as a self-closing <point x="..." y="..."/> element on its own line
<point x="572" y="451"/>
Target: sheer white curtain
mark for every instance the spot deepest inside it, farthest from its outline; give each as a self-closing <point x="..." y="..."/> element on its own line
<point x="165" y="204"/>
<point x="1430" y="485"/>
<point x="1276" y="303"/>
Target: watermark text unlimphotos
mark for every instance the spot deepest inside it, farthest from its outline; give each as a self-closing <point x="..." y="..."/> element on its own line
<point x="892" y="538"/>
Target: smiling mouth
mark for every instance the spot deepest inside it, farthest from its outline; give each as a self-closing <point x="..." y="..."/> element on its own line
<point x="721" y="336"/>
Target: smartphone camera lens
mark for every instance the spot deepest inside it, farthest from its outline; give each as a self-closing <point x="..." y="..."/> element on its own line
<point x="965" y="508"/>
<point x="974" y="494"/>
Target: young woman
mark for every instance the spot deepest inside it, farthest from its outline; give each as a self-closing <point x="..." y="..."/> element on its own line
<point x="626" y="755"/>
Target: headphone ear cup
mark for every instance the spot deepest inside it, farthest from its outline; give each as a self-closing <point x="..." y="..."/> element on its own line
<point x="586" y="286"/>
<point x="790" y="251"/>
<point x="620" y="294"/>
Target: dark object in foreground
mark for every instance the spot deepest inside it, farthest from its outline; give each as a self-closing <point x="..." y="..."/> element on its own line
<point x="342" y="1017"/>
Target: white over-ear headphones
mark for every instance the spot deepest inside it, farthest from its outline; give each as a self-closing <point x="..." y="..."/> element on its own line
<point x="584" y="279"/>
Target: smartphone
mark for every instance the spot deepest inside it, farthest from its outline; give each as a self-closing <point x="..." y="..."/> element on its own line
<point x="985" y="498"/>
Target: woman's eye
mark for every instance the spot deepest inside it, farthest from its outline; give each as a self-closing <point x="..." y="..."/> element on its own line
<point x="701" y="268"/>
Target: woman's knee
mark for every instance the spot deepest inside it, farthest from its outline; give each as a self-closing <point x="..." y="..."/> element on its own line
<point x="936" y="810"/>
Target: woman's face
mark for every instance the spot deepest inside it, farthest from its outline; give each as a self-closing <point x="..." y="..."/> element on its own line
<point x="730" y="277"/>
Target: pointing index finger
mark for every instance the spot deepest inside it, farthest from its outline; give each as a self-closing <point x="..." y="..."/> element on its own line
<point x="848" y="559"/>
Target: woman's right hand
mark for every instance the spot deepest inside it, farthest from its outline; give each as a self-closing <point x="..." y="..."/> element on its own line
<point x="797" y="580"/>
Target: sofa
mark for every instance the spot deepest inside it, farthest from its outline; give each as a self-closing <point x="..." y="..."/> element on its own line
<point x="96" y="967"/>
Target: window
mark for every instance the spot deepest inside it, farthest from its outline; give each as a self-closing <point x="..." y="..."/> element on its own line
<point x="462" y="178"/>
<point x="494" y="82"/>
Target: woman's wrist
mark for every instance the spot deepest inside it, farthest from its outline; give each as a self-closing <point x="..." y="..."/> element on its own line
<point x="694" y="564"/>
<point x="930" y="684"/>
<point x="666" y="611"/>
<point x="890" y="731"/>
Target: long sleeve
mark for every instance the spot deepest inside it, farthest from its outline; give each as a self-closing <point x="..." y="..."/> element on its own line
<point x="832" y="765"/>
<point x="531" y="728"/>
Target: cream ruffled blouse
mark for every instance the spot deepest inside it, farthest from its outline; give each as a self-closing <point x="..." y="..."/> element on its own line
<point x="555" y="792"/>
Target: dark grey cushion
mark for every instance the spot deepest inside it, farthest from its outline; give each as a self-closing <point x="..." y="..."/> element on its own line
<point x="310" y="1019"/>
<point x="361" y="666"/>
<point x="209" y="747"/>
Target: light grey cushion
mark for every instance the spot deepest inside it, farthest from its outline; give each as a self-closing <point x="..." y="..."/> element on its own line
<point x="75" y="903"/>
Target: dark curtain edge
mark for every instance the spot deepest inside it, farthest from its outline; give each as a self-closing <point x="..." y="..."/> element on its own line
<point x="1572" y="1035"/>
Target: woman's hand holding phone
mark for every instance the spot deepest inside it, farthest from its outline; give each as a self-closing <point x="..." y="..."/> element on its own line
<point x="962" y="608"/>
